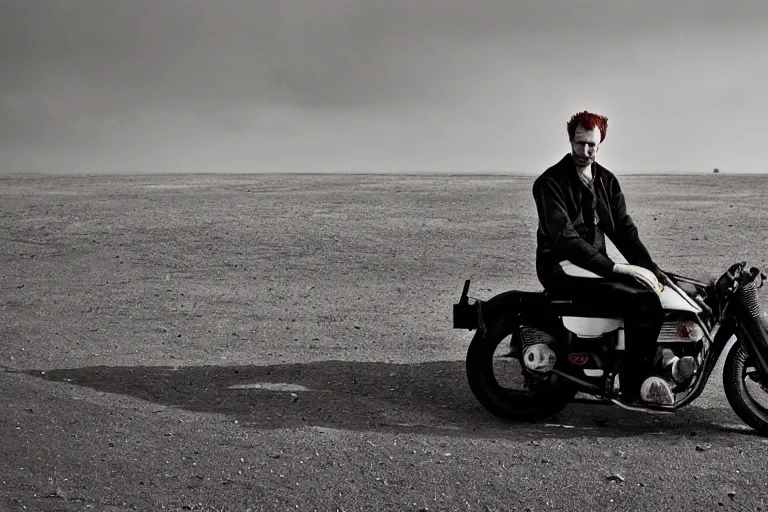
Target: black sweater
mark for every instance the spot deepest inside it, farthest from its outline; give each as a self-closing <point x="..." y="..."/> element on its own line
<point x="566" y="228"/>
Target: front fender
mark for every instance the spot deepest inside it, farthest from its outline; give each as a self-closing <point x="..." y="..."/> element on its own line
<point x="752" y="327"/>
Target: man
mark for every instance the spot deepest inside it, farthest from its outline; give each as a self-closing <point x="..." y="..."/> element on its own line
<point x="579" y="203"/>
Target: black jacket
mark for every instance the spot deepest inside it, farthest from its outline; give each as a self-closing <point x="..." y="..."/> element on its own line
<point x="566" y="221"/>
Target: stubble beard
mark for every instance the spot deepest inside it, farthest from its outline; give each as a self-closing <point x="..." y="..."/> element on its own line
<point x="583" y="161"/>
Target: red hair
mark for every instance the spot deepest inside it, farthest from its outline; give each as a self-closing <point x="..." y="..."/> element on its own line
<point x="587" y="121"/>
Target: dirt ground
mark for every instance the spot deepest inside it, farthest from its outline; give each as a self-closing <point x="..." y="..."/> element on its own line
<point x="241" y="342"/>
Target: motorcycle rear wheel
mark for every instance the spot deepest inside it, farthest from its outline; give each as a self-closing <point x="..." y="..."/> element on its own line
<point x="738" y="371"/>
<point x="546" y="399"/>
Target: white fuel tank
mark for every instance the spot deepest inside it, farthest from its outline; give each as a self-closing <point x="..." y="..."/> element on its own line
<point x="673" y="300"/>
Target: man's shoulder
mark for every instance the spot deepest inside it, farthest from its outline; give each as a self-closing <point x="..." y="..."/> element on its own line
<point x="556" y="172"/>
<point x="607" y="176"/>
<point x="605" y="171"/>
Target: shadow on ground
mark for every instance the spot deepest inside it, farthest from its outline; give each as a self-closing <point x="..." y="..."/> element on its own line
<point x="431" y="398"/>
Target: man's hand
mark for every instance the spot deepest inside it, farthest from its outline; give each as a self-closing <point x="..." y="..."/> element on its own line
<point x="643" y="275"/>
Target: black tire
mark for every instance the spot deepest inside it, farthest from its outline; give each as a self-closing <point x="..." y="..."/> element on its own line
<point x="537" y="404"/>
<point x="734" y="384"/>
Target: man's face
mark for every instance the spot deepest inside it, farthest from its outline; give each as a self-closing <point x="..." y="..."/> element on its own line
<point x="584" y="146"/>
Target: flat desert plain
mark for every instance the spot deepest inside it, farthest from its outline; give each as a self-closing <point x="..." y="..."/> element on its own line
<point x="284" y="342"/>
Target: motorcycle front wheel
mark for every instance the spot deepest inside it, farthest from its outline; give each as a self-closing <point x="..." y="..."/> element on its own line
<point x="744" y="391"/>
<point x="501" y="385"/>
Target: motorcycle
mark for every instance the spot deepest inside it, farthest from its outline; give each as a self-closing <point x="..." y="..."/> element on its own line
<point x="587" y="343"/>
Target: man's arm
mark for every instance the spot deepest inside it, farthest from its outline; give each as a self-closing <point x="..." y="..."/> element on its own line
<point x="554" y="221"/>
<point x="626" y="237"/>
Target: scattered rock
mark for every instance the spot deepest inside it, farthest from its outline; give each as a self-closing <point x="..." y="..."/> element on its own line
<point x="703" y="447"/>
<point x="294" y="398"/>
<point x="732" y="495"/>
<point x="615" y="478"/>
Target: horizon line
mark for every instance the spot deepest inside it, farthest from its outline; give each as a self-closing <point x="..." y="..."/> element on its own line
<point x="356" y="173"/>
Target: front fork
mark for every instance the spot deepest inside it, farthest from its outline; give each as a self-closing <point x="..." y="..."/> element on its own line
<point x="754" y="339"/>
<point x="751" y="330"/>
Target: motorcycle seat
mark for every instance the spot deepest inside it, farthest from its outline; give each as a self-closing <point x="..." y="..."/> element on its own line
<point x="582" y="305"/>
<point x="572" y="270"/>
<point x="569" y="269"/>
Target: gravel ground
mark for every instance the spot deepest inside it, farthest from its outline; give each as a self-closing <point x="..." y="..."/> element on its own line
<point x="240" y="342"/>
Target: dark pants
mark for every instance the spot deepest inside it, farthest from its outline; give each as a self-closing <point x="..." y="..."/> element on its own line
<point x="624" y="297"/>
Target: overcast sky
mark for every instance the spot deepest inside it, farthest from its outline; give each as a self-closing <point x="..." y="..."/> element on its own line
<point x="379" y="85"/>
